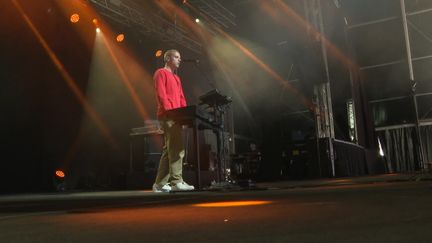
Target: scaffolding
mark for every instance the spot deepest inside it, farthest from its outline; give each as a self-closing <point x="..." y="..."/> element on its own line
<point x="407" y="26"/>
<point x="147" y="23"/>
<point x="216" y="12"/>
<point x="322" y="93"/>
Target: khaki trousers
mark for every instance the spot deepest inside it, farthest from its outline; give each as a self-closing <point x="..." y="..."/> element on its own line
<point x="171" y="161"/>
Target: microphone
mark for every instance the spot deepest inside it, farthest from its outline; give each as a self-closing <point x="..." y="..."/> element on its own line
<point x="191" y="60"/>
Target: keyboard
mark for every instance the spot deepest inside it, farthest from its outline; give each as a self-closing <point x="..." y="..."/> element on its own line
<point x="187" y="114"/>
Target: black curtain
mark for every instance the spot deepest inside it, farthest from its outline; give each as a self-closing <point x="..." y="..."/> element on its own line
<point x="401" y="150"/>
<point x="426" y="137"/>
<point x="350" y="159"/>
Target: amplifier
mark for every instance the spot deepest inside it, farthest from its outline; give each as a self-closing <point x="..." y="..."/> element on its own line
<point x="151" y="127"/>
<point x="145" y="148"/>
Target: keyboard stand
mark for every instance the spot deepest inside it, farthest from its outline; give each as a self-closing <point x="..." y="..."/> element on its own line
<point x="196" y="124"/>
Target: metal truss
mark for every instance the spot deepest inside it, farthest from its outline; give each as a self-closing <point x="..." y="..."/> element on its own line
<point x="216" y="11"/>
<point x="405" y="22"/>
<point x="409" y="61"/>
<point x="322" y="92"/>
<point x="147" y="23"/>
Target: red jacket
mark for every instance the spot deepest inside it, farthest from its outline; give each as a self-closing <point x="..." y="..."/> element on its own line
<point x="169" y="91"/>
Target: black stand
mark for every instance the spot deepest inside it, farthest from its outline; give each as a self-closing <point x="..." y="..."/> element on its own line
<point x="219" y="104"/>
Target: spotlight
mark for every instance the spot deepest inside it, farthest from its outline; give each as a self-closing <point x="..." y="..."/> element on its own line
<point x="120" y="37"/>
<point x="158" y="53"/>
<point x="197" y="20"/>
<point x="98" y="30"/>
<point x="95" y="21"/>
<point x="60" y="174"/>
<point x="59" y="180"/>
<point x="74" y="18"/>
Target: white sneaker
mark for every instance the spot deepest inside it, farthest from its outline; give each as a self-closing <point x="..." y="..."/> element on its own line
<point x="182" y="186"/>
<point x="164" y="188"/>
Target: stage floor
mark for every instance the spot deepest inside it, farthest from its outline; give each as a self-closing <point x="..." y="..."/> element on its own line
<point x="351" y="210"/>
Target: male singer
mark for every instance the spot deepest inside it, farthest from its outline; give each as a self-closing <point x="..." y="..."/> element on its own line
<point x="170" y="95"/>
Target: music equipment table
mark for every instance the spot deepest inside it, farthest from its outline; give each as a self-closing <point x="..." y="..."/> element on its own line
<point x="197" y="118"/>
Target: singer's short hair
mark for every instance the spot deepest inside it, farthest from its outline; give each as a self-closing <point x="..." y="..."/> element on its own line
<point x="169" y="53"/>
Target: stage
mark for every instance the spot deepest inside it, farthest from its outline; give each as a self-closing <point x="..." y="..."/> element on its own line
<point x="395" y="208"/>
<point x="321" y="110"/>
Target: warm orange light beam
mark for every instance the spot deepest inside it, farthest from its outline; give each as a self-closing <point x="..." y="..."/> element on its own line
<point x="71" y="151"/>
<point x="107" y="32"/>
<point x="333" y="50"/>
<point x="231" y="204"/>
<point x="204" y="33"/>
<point x="223" y="67"/>
<point x="260" y="63"/>
<point x="219" y="63"/>
<point x="168" y="7"/>
<point x="134" y="95"/>
<point x="266" y="68"/>
<point x="68" y="79"/>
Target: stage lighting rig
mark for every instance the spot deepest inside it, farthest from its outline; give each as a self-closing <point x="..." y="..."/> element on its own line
<point x="59" y="180"/>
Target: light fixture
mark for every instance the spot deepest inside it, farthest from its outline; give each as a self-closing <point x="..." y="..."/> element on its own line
<point x="59" y="180"/>
<point x="158" y="53"/>
<point x="74" y="18"/>
<point x="60" y="174"/>
<point x="120" y="38"/>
